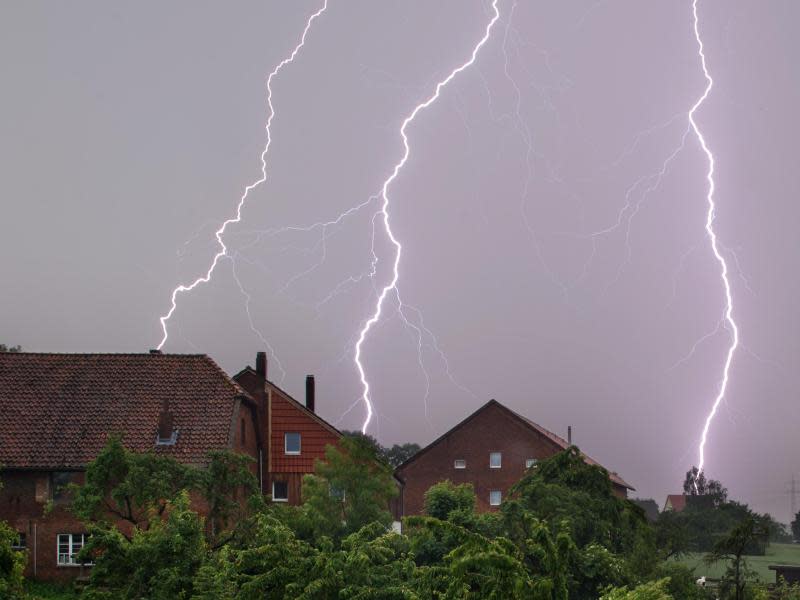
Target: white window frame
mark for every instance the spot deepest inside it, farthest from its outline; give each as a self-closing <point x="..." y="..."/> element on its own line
<point x="460" y="463"/>
<point x="531" y="462"/>
<point x="68" y="560"/>
<point x="274" y="499"/>
<point x="285" y="443"/>
<point x="18" y="543"/>
<point x="499" y="497"/>
<point x="499" y="464"/>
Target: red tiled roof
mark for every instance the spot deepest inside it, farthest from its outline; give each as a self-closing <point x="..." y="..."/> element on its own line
<point x="676" y="502"/>
<point x="56" y="410"/>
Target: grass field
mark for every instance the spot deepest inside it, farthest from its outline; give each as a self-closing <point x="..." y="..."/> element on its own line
<point x="784" y="554"/>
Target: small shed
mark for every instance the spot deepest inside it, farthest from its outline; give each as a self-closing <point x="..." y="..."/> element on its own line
<point x="790" y="573"/>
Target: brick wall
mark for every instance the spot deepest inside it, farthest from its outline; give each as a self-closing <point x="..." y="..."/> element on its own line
<point x="492" y="430"/>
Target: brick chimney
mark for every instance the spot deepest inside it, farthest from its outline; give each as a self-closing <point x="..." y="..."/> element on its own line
<point x="569" y="434"/>
<point x="310" y="400"/>
<point x="261" y="364"/>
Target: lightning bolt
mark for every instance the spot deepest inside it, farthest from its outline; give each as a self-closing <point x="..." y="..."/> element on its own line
<point x="710" y="215"/>
<point x="223" y="251"/>
<point x="384" y="212"/>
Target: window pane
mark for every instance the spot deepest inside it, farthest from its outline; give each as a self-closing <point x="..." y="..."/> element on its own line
<point x="494" y="497"/>
<point x="292" y="443"/>
<point x="460" y="463"/>
<point x="530" y="462"/>
<point x="495" y="460"/>
<point x="280" y="491"/>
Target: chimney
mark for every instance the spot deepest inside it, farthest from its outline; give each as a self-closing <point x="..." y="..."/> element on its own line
<point x="569" y="434"/>
<point x="310" y="393"/>
<point x="261" y="364"/>
<point x="165" y="423"/>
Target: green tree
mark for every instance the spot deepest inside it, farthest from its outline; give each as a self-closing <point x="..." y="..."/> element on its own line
<point x="796" y="527"/>
<point x="400" y="453"/>
<point x="159" y="562"/>
<point x="709" y="492"/>
<point x="348" y="490"/>
<point x="129" y="486"/>
<point x="653" y="590"/>
<point x="732" y="548"/>
<point x="12" y="562"/>
<point x="4" y="348"/>
<point x="444" y="497"/>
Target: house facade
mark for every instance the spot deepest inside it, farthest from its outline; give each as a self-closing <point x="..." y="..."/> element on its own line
<point x="297" y="435"/>
<point x="57" y="411"/>
<point x="491" y="449"/>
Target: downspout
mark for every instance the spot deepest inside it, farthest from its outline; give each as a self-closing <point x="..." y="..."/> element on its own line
<point x="35" y="547"/>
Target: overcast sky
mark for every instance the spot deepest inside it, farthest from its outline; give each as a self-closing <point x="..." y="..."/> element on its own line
<point x="559" y="273"/>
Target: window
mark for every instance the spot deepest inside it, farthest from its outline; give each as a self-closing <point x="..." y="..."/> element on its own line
<point x="530" y="462"/>
<point x="495" y="460"/>
<point x="20" y="543"/>
<point x="460" y="463"/>
<point x="280" y="491"/>
<point x="495" y="496"/>
<point x="291" y="443"/>
<point x="69" y="544"/>
<point x="60" y="481"/>
<point x="336" y="492"/>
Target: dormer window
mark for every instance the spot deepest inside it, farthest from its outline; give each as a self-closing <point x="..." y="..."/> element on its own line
<point x="166" y="435"/>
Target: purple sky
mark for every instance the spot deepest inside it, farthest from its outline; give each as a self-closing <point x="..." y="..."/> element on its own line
<point x="128" y="132"/>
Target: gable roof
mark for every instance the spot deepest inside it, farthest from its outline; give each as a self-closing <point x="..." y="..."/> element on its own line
<point x="56" y="410"/>
<point x="250" y="371"/>
<point x="676" y="502"/>
<point x="558" y="441"/>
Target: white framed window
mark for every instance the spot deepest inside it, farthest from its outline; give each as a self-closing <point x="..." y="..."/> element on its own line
<point x="280" y="491"/>
<point x="68" y="545"/>
<point x="20" y="543"/>
<point x="459" y="463"/>
<point x="530" y="462"/>
<point x="291" y="443"/>
<point x="495" y="460"/>
<point x="495" y="497"/>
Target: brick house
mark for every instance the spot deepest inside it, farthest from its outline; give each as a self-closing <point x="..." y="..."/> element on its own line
<point x="297" y="434"/>
<point x="491" y="449"/>
<point x="57" y="410"/>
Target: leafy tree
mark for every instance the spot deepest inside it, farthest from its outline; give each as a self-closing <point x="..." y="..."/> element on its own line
<point x="673" y="534"/>
<point x="129" y="486"/>
<point x="12" y="564"/>
<point x="443" y="498"/>
<point x="732" y="548"/>
<point x="654" y="590"/>
<point x="708" y="492"/>
<point x="796" y="527"/>
<point x="400" y="453"/>
<point x="158" y="563"/>
<point x="348" y="490"/>
<point x="4" y="348"/>
<point x="394" y="456"/>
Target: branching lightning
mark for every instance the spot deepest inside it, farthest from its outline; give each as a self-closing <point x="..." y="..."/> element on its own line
<point x="223" y="251"/>
<point x="384" y="212"/>
<point x="710" y="215"/>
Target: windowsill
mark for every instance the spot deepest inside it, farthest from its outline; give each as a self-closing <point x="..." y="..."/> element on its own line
<point x="280" y="499"/>
<point x="71" y="565"/>
<point x="491" y="467"/>
<point x="292" y="453"/>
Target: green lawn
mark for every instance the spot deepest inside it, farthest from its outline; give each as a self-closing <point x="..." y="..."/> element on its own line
<point x="784" y="554"/>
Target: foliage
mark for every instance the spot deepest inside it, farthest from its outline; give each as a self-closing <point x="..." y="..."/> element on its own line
<point x="709" y="492"/>
<point x="159" y="562"/>
<point x="12" y="564"/>
<point x="732" y="548"/>
<point x="394" y="456"/>
<point x="654" y="590"/>
<point x="4" y="348"/>
<point x="796" y="527"/>
<point x="129" y="486"/>
<point x="348" y="490"/>
<point x="444" y="497"/>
